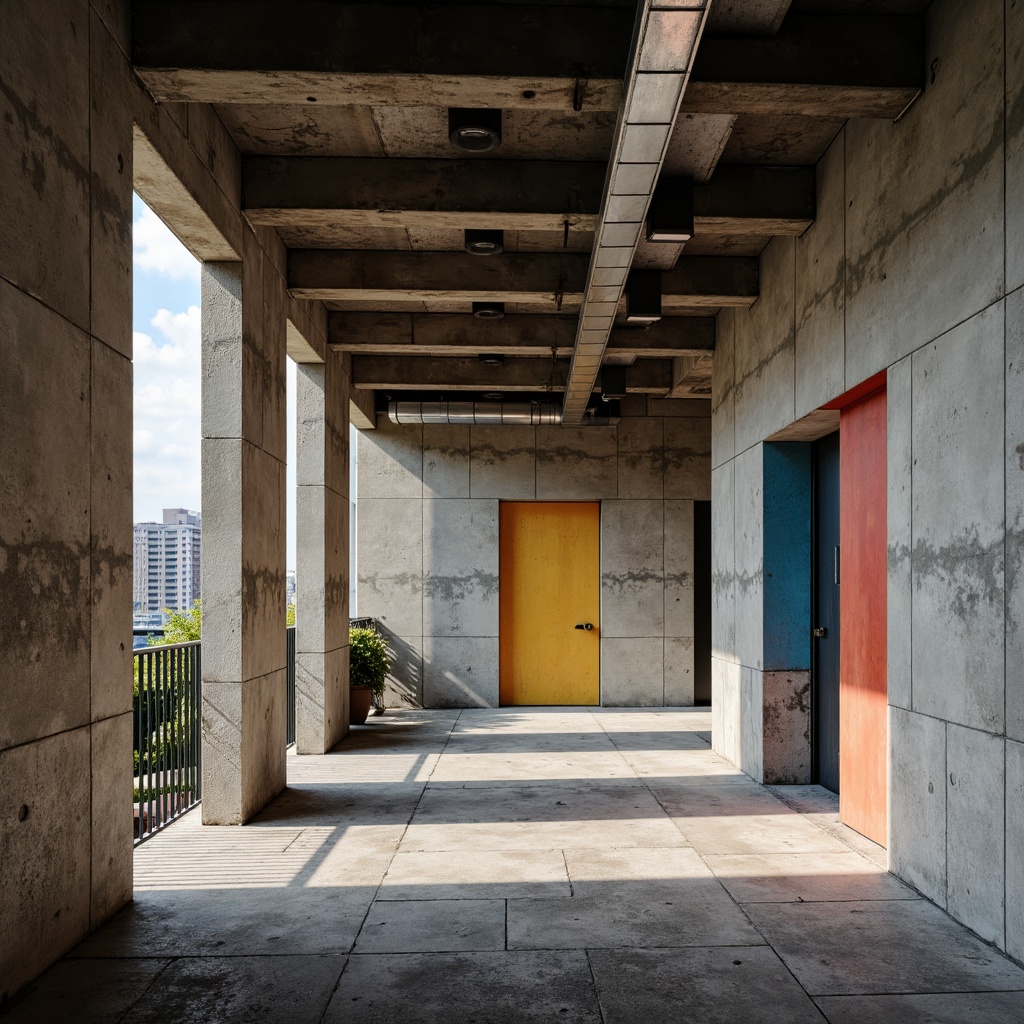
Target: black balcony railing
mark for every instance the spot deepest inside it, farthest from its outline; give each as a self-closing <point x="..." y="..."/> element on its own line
<point x="290" y="677"/>
<point x="167" y="745"/>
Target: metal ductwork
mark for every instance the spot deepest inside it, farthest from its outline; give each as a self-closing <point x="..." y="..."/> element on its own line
<point x="520" y="414"/>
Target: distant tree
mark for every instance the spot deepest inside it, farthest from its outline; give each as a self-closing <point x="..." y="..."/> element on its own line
<point x="181" y="628"/>
<point x="290" y="619"/>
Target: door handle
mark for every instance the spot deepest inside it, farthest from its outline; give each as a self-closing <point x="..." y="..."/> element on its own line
<point x="820" y="632"/>
<point x="584" y="625"/>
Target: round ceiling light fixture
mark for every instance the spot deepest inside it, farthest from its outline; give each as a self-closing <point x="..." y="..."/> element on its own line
<point x="488" y="310"/>
<point x="484" y="243"/>
<point x="492" y="358"/>
<point x="474" y="130"/>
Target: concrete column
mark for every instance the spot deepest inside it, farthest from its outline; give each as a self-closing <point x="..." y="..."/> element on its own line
<point x="243" y="494"/>
<point x="322" y="570"/>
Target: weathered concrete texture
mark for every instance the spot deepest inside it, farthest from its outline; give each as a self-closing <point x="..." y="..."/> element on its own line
<point x="244" y="544"/>
<point x="687" y="458"/>
<point x="112" y="824"/>
<point x="460" y="567"/>
<point x="957" y="555"/>
<point x="787" y="727"/>
<point x="503" y="462"/>
<point x="917" y="801"/>
<point x="44" y="522"/>
<point x="899" y="511"/>
<point x="45" y="161"/>
<point x="749" y="553"/>
<point x="632" y="568"/>
<point x="460" y="672"/>
<point x="641" y="457"/>
<point x="679" y="671"/>
<point x="45" y="850"/>
<point x="390" y="561"/>
<point x="322" y="569"/>
<point x="390" y="462"/>
<point x="723" y="381"/>
<point x="975" y="787"/>
<point x="65" y="510"/>
<point x="1014" y="570"/>
<point x="1015" y="849"/>
<point x="820" y="341"/>
<point x="764" y="354"/>
<point x="908" y="188"/>
<point x="632" y="672"/>
<point x="576" y="463"/>
<point x="445" y="462"/>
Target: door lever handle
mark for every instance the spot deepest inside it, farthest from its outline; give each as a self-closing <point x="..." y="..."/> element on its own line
<point x="584" y="625"/>
<point x="820" y="631"/>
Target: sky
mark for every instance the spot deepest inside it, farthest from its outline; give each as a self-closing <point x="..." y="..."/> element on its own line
<point x="165" y="323"/>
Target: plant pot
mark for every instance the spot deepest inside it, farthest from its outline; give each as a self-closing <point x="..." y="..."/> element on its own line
<point x="359" y="698"/>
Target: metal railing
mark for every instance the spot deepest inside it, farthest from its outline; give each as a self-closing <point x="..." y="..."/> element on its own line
<point x="289" y="738"/>
<point x="167" y="742"/>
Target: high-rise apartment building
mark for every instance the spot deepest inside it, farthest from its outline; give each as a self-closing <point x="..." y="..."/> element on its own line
<point x="166" y="563"/>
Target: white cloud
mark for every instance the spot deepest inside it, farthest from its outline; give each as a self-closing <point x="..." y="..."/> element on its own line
<point x="166" y="412"/>
<point x="156" y="249"/>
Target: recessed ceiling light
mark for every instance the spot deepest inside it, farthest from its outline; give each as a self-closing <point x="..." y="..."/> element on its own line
<point x="488" y="310"/>
<point x="474" y="130"/>
<point x="485" y="243"/>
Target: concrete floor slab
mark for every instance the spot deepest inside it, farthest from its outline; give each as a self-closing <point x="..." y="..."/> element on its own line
<point x="539" y="818"/>
<point x="258" y="990"/>
<point x="459" y="892"/>
<point x="891" y="946"/>
<point x="677" y="912"/>
<point x="233" y="922"/>
<point x="433" y="926"/>
<point x="743" y="820"/>
<point x="499" y="988"/>
<point x="724" y="985"/>
<point x="488" y="874"/>
<point x="942" y="1008"/>
<point x="86" y="991"/>
<point x="806" y="877"/>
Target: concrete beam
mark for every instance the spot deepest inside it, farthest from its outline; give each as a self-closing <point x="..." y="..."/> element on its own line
<point x="464" y="55"/>
<point x="426" y="373"/>
<point x="691" y="376"/>
<point x="701" y="281"/>
<point x="819" y="65"/>
<point x="523" y="195"/>
<point x="452" y="334"/>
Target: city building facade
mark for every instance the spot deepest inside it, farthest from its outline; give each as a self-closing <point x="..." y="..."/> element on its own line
<point x="167" y="559"/>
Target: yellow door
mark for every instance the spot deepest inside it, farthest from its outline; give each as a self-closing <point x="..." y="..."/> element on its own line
<point x="549" y="583"/>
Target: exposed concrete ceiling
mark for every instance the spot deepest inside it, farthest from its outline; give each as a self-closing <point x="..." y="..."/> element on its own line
<point x="341" y="113"/>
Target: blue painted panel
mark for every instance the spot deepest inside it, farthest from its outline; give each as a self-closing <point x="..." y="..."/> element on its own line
<point x="787" y="556"/>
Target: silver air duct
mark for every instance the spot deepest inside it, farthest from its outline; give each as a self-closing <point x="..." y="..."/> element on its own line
<point x="522" y="414"/>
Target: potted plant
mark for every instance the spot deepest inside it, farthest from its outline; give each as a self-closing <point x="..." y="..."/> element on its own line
<point x="368" y="667"/>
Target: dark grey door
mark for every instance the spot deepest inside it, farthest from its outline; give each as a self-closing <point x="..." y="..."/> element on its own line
<point x="825" y="642"/>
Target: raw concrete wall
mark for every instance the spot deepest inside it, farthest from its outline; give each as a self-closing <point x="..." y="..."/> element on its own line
<point x="428" y="545"/>
<point x="66" y="506"/>
<point x="915" y="265"/>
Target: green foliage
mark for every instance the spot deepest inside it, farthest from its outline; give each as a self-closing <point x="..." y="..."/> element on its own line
<point x="290" y="618"/>
<point x="181" y="628"/>
<point x="368" y="659"/>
